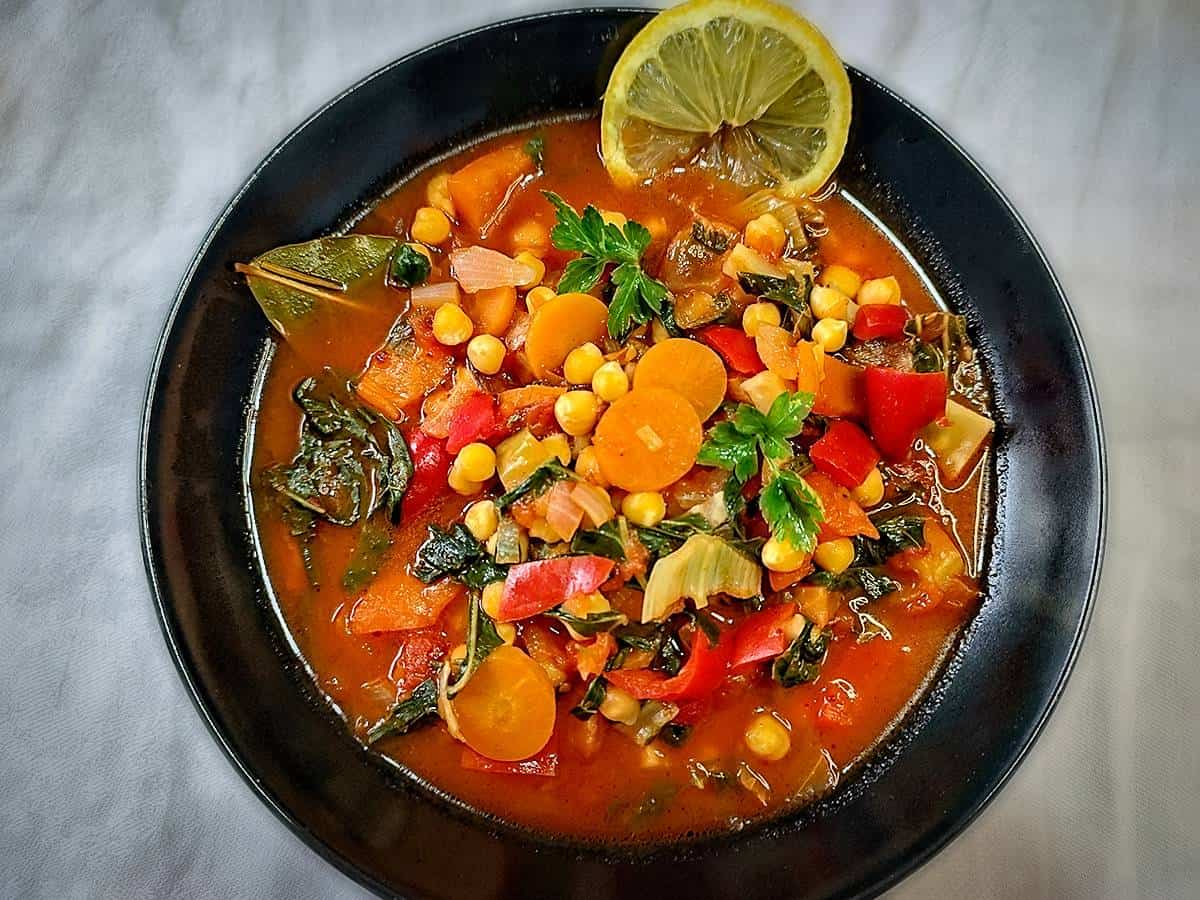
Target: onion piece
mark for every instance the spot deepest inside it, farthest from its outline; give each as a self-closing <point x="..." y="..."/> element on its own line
<point x="431" y="296"/>
<point x="480" y="269"/>
<point x="563" y="514"/>
<point x="594" y="501"/>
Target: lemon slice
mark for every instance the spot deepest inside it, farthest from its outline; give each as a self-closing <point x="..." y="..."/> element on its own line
<point x="745" y="88"/>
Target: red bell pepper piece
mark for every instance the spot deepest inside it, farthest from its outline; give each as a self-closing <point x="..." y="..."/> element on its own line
<point x="845" y="454"/>
<point x="700" y="676"/>
<point x="735" y="347"/>
<point x="544" y="763"/>
<point x="899" y="404"/>
<point x="691" y="711"/>
<point x="534" y="587"/>
<point x="880" y="320"/>
<point x="431" y="465"/>
<point x="474" y="421"/>
<point x="761" y="635"/>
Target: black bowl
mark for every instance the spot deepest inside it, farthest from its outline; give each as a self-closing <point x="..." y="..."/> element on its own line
<point x="929" y="779"/>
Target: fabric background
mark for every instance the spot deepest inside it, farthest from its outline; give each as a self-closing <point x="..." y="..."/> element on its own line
<point x="125" y="127"/>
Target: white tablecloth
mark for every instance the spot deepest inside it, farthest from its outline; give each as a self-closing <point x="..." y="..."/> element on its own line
<point x="122" y="134"/>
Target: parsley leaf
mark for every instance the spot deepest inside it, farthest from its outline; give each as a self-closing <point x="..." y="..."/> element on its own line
<point x="736" y="443"/>
<point x="791" y="508"/>
<point x="637" y="297"/>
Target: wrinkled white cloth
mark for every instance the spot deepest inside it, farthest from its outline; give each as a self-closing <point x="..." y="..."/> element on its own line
<point x="124" y="128"/>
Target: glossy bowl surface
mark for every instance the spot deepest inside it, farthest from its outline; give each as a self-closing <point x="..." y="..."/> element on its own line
<point x="957" y="746"/>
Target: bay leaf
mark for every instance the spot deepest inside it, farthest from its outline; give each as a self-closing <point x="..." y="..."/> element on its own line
<point x="290" y="281"/>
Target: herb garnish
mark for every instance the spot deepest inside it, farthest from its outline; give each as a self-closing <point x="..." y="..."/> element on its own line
<point x="637" y="297"/>
<point x="788" y="504"/>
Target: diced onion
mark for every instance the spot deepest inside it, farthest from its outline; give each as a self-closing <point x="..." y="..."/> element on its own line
<point x="431" y="296"/>
<point x="594" y="502"/>
<point x="481" y="269"/>
<point x="563" y="514"/>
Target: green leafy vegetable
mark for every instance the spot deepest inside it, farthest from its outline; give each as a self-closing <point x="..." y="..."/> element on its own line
<point x="603" y="541"/>
<point x="652" y="718"/>
<point x="482" y="639"/>
<point x="788" y="504"/>
<point x="589" y="705"/>
<point x="736" y="443"/>
<point x="537" y="482"/>
<point x="872" y="583"/>
<point x="592" y="624"/>
<point x="420" y="704"/>
<point x="793" y="294"/>
<point x="457" y="554"/>
<point x="669" y="534"/>
<point x="290" y="281"/>
<point x="801" y="662"/>
<point x="535" y="149"/>
<point x="410" y="267"/>
<point x="350" y="463"/>
<point x="927" y="358"/>
<point x="637" y="297"/>
<point x="675" y="735"/>
<point x="792" y="509"/>
<point x="896" y="533"/>
<point x="373" y="540"/>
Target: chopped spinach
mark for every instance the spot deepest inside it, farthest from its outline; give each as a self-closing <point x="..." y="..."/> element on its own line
<point x="603" y="541"/>
<point x="793" y="294"/>
<point x="373" y="540"/>
<point x="456" y="553"/>
<point x="592" y="624"/>
<point x="350" y="463"/>
<point x="671" y="655"/>
<point x="801" y="662"/>
<point x="420" y="704"/>
<point x="873" y="583"/>
<point x="670" y="534"/>
<point x="592" y="698"/>
<point x="482" y="639"/>
<point x="667" y="317"/>
<point x="927" y="358"/>
<point x="896" y="533"/>
<point x="410" y="267"/>
<point x="537" y="482"/>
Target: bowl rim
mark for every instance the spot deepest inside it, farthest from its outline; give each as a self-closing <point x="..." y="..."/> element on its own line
<point x="936" y="840"/>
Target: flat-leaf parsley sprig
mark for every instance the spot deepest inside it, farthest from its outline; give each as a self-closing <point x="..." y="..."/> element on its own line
<point x="637" y="298"/>
<point x="792" y="509"/>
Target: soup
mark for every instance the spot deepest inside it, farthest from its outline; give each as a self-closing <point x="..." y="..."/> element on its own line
<point x="617" y="513"/>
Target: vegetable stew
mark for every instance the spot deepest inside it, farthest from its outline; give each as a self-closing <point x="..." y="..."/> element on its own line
<point x="622" y="513"/>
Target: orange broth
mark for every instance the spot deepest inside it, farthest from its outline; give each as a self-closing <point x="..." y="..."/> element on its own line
<point x="607" y="787"/>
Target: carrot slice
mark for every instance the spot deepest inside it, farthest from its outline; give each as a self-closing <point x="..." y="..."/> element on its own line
<point x="777" y="350"/>
<point x="687" y="367"/>
<point x="842" y="392"/>
<point x="480" y="187"/>
<point x="647" y="439"/>
<point x="506" y="711"/>
<point x="562" y="324"/>
<point x="491" y="310"/>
